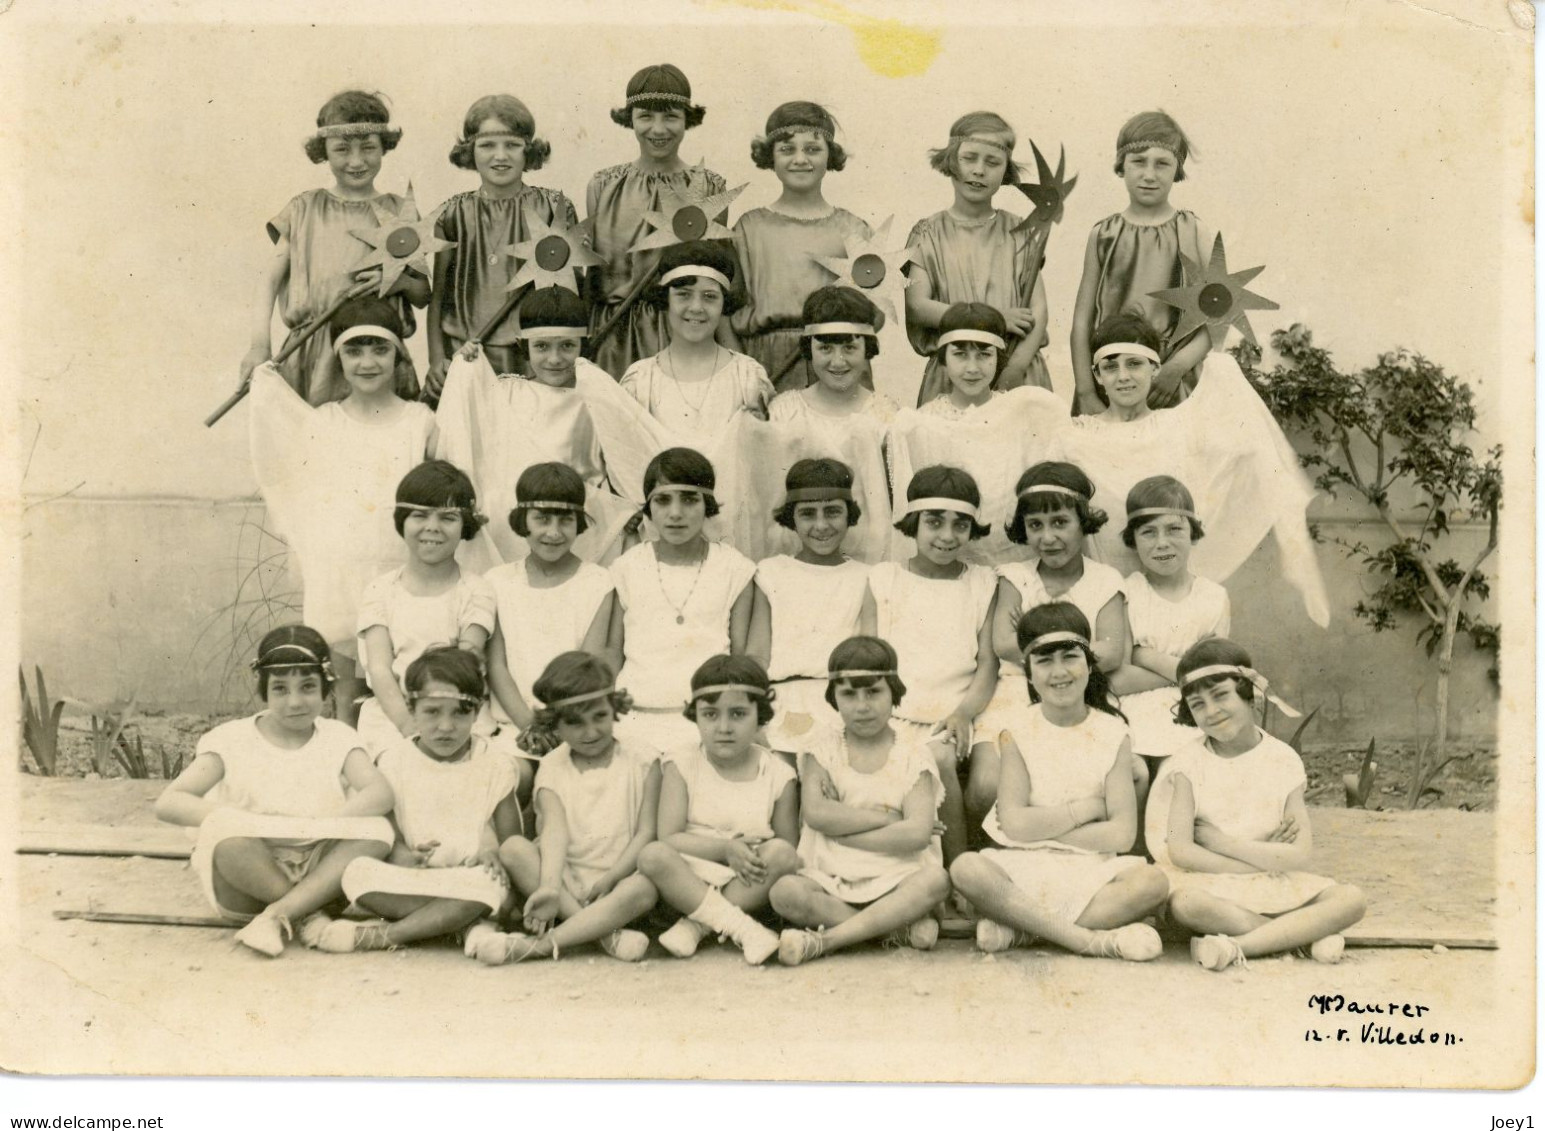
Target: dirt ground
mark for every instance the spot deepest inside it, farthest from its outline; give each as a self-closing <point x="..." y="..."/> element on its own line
<point x="87" y="997"/>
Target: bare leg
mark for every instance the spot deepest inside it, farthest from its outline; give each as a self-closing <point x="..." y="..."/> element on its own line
<point x="1329" y="913"/>
<point x="324" y="883"/>
<point x="1133" y="895"/>
<point x="420" y="917"/>
<point x="994" y="894"/>
<point x="953" y="811"/>
<point x="982" y="785"/>
<point x="348" y="687"/>
<point x="680" y="887"/>
<point x="909" y="902"/>
<point x="1144" y="770"/>
<point x="803" y="901"/>
<point x="616" y="909"/>
<point x="245" y="876"/>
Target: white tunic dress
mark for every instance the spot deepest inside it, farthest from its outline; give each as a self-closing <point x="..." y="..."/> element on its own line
<point x="1089" y="594"/>
<point x="1064" y="764"/>
<point x="601" y="807"/>
<point x="538" y="624"/>
<point x="674" y="618"/>
<point x="290" y="798"/>
<point x="1169" y="626"/>
<point x="1246" y="797"/>
<point x="933" y="625"/>
<point x="698" y="409"/>
<point x="814" y="608"/>
<point x="449" y="802"/>
<point x="724" y="809"/>
<point x="857" y="875"/>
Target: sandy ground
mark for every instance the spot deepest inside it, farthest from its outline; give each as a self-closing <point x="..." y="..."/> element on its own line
<point x="93" y="998"/>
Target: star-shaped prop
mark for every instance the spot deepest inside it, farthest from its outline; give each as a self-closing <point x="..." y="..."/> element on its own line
<point x="1216" y="300"/>
<point x="400" y="243"/>
<point x="872" y="268"/>
<point x="687" y="214"/>
<point x="1048" y="194"/>
<point x="551" y="254"/>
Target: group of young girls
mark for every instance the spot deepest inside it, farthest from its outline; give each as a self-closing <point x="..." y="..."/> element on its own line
<point x="745" y="640"/>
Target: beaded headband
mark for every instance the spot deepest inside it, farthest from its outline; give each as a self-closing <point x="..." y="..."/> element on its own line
<point x="687" y="270"/>
<point x="937" y="503"/>
<point x="798" y="128"/>
<point x="817" y="494"/>
<point x="1112" y="348"/>
<point x="368" y="332"/>
<point x="495" y="133"/>
<point x="658" y="96"/>
<point x="714" y="689"/>
<point x="851" y="329"/>
<point x="570" y="700"/>
<point x="1147" y="143"/>
<point x="706" y="492"/>
<point x="859" y="673"/>
<point x="1061" y="636"/>
<point x="530" y="333"/>
<point x="451" y="507"/>
<point x="549" y="505"/>
<point x="312" y="660"/>
<point x="416" y="697"/>
<point x="1051" y="489"/>
<point x="1250" y="674"/>
<point x="986" y="337"/>
<point x="358" y="129"/>
<point x="1150" y="512"/>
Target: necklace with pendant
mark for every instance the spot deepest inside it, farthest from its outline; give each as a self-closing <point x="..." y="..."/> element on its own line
<point x="680" y="610"/>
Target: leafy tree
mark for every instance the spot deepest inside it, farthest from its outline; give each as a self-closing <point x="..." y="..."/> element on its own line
<point x="1398" y="429"/>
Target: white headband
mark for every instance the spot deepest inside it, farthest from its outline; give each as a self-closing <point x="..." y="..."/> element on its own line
<point x="959" y="506"/>
<point x="1061" y="636"/>
<point x="859" y="673"/>
<point x="531" y="332"/>
<point x="1051" y="488"/>
<point x="1134" y="348"/>
<point x="854" y="329"/>
<point x="687" y="270"/>
<point x="986" y="337"/>
<point x="368" y="332"/>
<point x="358" y="129"/>
<point x="1250" y="674"/>
<point x="1151" y="512"/>
<point x="714" y="689"/>
<point x="585" y="698"/>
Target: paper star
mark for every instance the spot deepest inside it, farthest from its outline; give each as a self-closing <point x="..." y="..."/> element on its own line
<point x="1216" y="299"/>
<point x="1048" y="194"/>
<point x="872" y="268"/>
<point x="400" y="243"/>
<point x="687" y="214"/>
<point x="551" y="254"/>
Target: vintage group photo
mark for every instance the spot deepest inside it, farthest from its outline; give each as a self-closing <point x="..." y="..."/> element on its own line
<point x="773" y="542"/>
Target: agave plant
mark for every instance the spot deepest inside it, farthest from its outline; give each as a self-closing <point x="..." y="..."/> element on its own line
<point x="40" y="724"/>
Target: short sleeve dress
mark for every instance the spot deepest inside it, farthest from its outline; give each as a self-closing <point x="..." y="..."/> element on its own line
<point x="1090" y="593"/>
<point x="324" y="254"/>
<point x="779" y="265"/>
<point x="1243" y="796"/>
<point x="972" y="261"/>
<point x="933" y="625"/>
<point x="449" y="802"/>
<point x="329" y="481"/>
<point x="1137" y="259"/>
<point x="724" y="809"/>
<point x="288" y="797"/>
<point x="600" y="805"/>
<point x="483" y="228"/>
<point x="857" y="875"/>
<point x="1064" y="764"/>
<point x="615" y="202"/>
<point x="538" y="624"/>
<point x="814" y="608"/>
<point x="417" y="623"/>
<point x="674" y="618"/>
<point x="1169" y="626"/>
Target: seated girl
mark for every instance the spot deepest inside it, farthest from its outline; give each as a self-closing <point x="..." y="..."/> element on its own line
<point x="596" y="802"/>
<point x="283" y="801"/>
<point x="1066" y="811"/>
<point x="729" y="815"/>
<point x="870" y="801"/>
<point x="1236" y="834"/>
<point x="443" y="874"/>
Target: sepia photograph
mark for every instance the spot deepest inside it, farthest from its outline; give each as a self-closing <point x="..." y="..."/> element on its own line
<point x="770" y="540"/>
